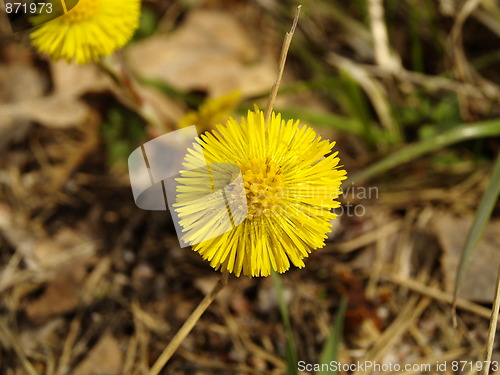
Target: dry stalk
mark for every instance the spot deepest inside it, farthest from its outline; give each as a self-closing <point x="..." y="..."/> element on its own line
<point x="380" y="37"/>
<point x="281" y="68"/>
<point x="493" y="327"/>
<point x="188" y="326"/>
<point x="439" y="295"/>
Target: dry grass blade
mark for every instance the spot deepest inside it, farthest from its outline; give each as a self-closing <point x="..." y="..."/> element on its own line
<point x="463" y="67"/>
<point x="368" y="238"/>
<point x="373" y="88"/>
<point x="8" y="340"/>
<point x="430" y="82"/>
<point x="441" y="296"/>
<point x="281" y="69"/>
<point x="408" y="314"/>
<point x="493" y="327"/>
<point x="188" y="325"/>
<point x="65" y="359"/>
<point x="488" y="19"/>
<point x="279" y="363"/>
<point x="383" y="54"/>
<point x="217" y="364"/>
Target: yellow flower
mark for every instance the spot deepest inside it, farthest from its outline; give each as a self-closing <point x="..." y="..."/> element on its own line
<point x="211" y="112"/>
<point x="92" y="29"/>
<point x="290" y="180"/>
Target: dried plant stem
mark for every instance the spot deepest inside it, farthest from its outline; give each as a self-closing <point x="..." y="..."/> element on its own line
<point x="115" y="67"/>
<point x="188" y="326"/>
<point x="380" y="36"/>
<point x="493" y="327"/>
<point x="284" y="54"/>
<point x="439" y="295"/>
<point x="9" y="341"/>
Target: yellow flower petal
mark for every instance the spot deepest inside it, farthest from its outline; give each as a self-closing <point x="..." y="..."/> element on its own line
<point x="92" y="29"/>
<point x="291" y="179"/>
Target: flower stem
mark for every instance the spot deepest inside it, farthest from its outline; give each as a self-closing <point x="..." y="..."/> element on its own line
<point x="115" y="67"/>
<point x="188" y="326"/>
<point x="284" y="54"/>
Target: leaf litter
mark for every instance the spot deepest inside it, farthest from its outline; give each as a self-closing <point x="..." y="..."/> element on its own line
<point x="85" y="279"/>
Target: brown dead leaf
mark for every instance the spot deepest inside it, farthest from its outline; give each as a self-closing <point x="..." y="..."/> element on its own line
<point x="479" y="282"/>
<point x="19" y="81"/>
<point x="75" y="80"/>
<point x="66" y="245"/>
<point x="53" y="112"/>
<point x="210" y="51"/>
<point x="72" y="81"/>
<point x="63" y="108"/>
<point x="105" y="358"/>
<point x="59" y="260"/>
<point x="61" y="296"/>
<point x="41" y="252"/>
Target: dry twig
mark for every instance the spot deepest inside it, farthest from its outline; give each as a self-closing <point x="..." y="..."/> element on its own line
<point x="281" y="69"/>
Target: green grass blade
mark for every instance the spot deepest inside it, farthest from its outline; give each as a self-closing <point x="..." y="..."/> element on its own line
<point x="357" y="105"/>
<point x="481" y="219"/>
<point x="291" y="358"/>
<point x="330" y="351"/>
<point x="417" y="57"/>
<point x="458" y="134"/>
<point x="317" y="119"/>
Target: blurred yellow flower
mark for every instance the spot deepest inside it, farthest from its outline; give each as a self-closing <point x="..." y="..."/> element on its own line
<point x="92" y="29"/>
<point x="290" y="180"/>
<point x="211" y="112"/>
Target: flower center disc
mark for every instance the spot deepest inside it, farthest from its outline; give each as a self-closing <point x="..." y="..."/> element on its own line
<point x="263" y="182"/>
<point x="84" y="11"/>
